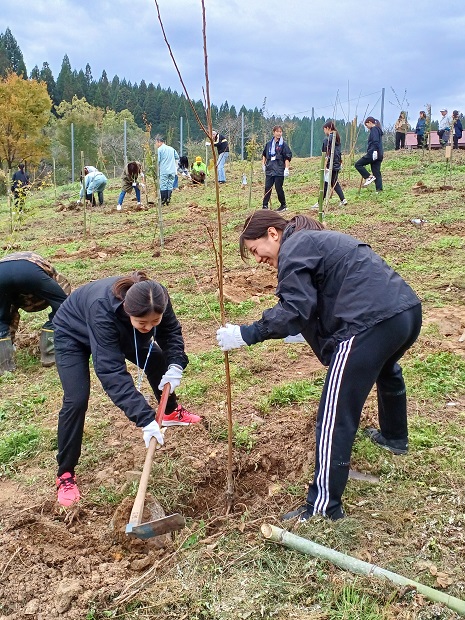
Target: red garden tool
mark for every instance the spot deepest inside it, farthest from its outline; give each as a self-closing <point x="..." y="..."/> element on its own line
<point x="171" y="523"/>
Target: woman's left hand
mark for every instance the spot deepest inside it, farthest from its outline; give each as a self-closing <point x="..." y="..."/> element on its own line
<point x="172" y="376"/>
<point x="229" y="337"/>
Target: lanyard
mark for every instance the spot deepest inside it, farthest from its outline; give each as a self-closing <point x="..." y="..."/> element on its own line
<point x="141" y="372"/>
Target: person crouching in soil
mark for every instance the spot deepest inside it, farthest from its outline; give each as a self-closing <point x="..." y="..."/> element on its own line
<point x="31" y="283"/>
<point x="115" y="319"/>
<point x="359" y="317"/>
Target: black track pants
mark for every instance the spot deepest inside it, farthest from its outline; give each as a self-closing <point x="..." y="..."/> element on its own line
<point x="364" y="360"/>
<point x="278" y="183"/>
<point x="25" y="277"/>
<point x="72" y="360"/>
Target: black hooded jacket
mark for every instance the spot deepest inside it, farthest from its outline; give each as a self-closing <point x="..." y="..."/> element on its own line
<point x="330" y="287"/>
<point x="375" y="142"/>
<point x="93" y="316"/>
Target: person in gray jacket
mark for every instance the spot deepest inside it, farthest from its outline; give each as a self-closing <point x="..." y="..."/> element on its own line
<point x="358" y="315"/>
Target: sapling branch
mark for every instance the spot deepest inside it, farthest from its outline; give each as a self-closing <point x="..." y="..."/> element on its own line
<point x="208" y="131"/>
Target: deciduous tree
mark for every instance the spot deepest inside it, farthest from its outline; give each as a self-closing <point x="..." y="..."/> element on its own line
<point x="24" y="112"/>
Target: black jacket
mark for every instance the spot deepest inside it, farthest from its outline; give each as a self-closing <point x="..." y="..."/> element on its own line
<point x="375" y="143"/>
<point x="93" y="316"/>
<point x="19" y="179"/>
<point x="326" y="148"/>
<point x="330" y="287"/>
<point x="221" y="144"/>
<point x="275" y="168"/>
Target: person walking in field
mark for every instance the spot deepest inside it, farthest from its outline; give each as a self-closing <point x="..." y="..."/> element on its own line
<point x="374" y="155"/>
<point x="222" y="148"/>
<point x="276" y="158"/>
<point x="167" y="165"/>
<point x="130" y="181"/>
<point x="20" y="183"/>
<point x="114" y="320"/>
<point x="31" y="283"/>
<point x="330" y="130"/>
<point x="359" y="317"/>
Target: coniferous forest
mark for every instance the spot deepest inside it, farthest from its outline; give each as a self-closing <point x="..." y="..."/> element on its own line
<point x="97" y="107"/>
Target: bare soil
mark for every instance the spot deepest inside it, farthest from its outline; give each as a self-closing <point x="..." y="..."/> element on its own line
<point x="56" y="563"/>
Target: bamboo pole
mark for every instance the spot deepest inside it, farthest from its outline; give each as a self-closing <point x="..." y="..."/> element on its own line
<point x="347" y="562"/>
<point x="85" y="194"/>
<point x="8" y="198"/>
<point x="55" y="179"/>
<point x="322" y="188"/>
<point x="329" y="188"/>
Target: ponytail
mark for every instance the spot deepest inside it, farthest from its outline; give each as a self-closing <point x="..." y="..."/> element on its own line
<point x="141" y="295"/>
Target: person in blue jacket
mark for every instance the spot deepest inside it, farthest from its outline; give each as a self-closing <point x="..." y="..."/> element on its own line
<point x="114" y="320"/>
<point x="374" y="155"/>
<point x="359" y="317"/>
<point x="458" y="129"/>
<point x="95" y="181"/>
<point x="420" y="129"/>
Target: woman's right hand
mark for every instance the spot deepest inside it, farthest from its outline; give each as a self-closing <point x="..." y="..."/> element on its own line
<point x="152" y="430"/>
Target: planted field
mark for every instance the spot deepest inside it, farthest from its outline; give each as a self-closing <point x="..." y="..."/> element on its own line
<point x="409" y="517"/>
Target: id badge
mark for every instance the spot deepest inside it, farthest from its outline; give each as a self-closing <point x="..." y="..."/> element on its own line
<point x="273" y="158"/>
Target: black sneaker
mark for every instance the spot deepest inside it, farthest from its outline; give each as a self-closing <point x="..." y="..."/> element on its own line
<point x="265" y="207"/>
<point x="304" y="513"/>
<point x="281" y="208"/>
<point x="396" y="446"/>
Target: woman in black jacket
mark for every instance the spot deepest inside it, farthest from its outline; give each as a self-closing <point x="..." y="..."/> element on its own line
<point x="114" y="320"/>
<point x="358" y="315"/>
<point x="330" y="130"/>
<point x="374" y="155"/>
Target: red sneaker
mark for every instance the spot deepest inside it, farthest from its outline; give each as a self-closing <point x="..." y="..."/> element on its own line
<point x="180" y="417"/>
<point x="68" y="492"/>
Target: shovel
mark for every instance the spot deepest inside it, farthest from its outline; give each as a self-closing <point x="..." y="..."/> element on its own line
<point x="173" y="522"/>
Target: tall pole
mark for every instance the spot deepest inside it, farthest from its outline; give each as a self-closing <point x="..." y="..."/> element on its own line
<point x="83" y="174"/>
<point x="382" y="107"/>
<point x="242" y="136"/>
<point x="312" y="123"/>
<point x="125" y="142"/>
<point x="72" y="152"/>
<point x="180" y="136"/>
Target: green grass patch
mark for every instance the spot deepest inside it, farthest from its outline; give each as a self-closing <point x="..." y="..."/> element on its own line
<point x="292" y="393"/>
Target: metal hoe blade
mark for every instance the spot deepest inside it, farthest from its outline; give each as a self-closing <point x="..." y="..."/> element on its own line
<point x="171" y="523"/>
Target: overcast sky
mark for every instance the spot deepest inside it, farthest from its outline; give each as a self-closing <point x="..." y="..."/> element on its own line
<point x="297" y="54"/>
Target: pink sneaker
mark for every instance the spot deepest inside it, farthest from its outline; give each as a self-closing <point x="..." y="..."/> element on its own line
<point x="180" y="417"/>
<point x="68" y="492"/>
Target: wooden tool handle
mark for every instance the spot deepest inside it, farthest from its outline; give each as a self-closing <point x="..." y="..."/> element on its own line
<point x="138" y="508"/>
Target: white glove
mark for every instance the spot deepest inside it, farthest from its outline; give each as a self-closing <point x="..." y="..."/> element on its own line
<point x="286" y="172"/>
<point x="264" y="167"/>
<point x="172" y="376"/>
<point x="375" y="155"/>
<point x="142" y="185"/>
<point x="229" y="337"/>
<point x="152" y="430"/>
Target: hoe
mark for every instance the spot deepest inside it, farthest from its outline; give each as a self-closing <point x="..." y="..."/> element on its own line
<point x="173" y="522"/>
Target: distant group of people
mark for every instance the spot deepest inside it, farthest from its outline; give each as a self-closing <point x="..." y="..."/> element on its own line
<point x="445" y="126"/>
